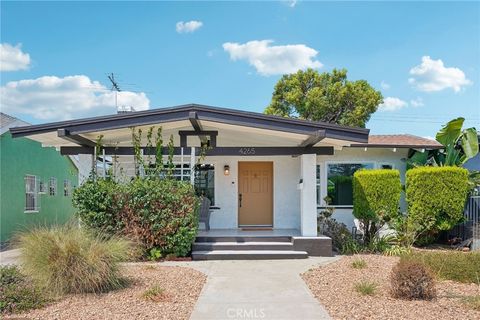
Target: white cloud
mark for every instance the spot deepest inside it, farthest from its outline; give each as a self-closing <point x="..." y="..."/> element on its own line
<point x="53" y="98"/>
<point x="188" y="27"/>
<point x="384" y="85"/>
<point x="292" y="3"/>
<point x="418" y="102"/>
<point x="12" y="58"/>
<point x="430" y="138"/>
<point x="432" y="75"/>
<point x="271" y="60"/>
<point x="392" y="104"/>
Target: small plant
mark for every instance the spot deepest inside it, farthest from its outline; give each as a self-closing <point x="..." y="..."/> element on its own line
<point x="67" y="259"/>
<point x="473" y="302"/>
<point x="366" y="288"/>
<point x="155" y="254"/>
<point x="397" y="250"/>
<point x="154" y="293"/>
<point x="17" y="292"/>
<point x="359" y="264"/>
<point x="412" y="280"/>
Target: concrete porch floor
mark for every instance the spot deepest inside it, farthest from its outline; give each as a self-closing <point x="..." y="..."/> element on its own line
<point x="249" y="233"/>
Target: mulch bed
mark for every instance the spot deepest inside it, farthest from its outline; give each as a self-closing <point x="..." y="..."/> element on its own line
<point x="181" y="289"/>
<point x="333" y="285"/>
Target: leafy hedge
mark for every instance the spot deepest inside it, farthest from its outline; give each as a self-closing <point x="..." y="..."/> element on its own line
<point x="436" y="196"/>
<point x="161" y="214"/>
<point x="376" y="197"/>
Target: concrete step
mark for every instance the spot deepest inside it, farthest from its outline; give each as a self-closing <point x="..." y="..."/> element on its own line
<point x="243" y="239"/>
<point x="257" y="245"/>
<point x="248" y="255"/>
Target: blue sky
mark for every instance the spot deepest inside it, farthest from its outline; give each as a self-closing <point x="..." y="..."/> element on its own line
<point x="60" y="54"/>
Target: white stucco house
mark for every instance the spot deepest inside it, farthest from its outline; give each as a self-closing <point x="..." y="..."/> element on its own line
<point x="262" y="173"/>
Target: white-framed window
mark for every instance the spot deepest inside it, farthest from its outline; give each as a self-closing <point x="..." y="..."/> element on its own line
<point x="67" y="188"/>
<point x="42" y="187"/>
<point x="52" y="186"/>
<point x="339" y="181"/>
<point x="32" y="203"/>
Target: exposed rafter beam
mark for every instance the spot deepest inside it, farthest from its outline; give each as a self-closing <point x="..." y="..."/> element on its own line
<point x="313" y="139"/>
<point x="75" y="138"/>
<point x="197" y="126"/>
<point x="218" y="151"/>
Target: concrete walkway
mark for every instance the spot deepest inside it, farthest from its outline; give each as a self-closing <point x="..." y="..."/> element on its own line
<point x="9" y="257"/>
<point x="258" y="289"/>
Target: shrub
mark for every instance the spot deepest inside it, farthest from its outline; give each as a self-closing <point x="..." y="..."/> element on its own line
<point x="436" y="197"/>
<point x="342" y="240"/>
<point x="66" y="259"/>
<point x="412" y="280"/>
<point x="366" y="287"/>
<point x="450" y="265"/>
<point x="376" y="197"/>
<point x="98" y="202"/>
<point x="359" y="264"/>
<point x="161" y="214"/>
<point x="17" y="292"/>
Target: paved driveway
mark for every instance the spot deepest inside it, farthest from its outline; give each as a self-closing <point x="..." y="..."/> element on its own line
<point x="262" y="289"/>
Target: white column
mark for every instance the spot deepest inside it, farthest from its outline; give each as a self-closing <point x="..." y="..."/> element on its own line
<point x="308" y="194"/>
<point x="192" y="166"/>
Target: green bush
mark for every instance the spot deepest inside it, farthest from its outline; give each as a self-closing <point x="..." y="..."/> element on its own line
<point x="450" y="265"/>
<point x="161" y="214"/>
<point x="17" y="292"/>
<point x="436" y="197"/>
<point x="68" y="259"/>
<point x="376" y="197"/>
<point x="98" y="202"/>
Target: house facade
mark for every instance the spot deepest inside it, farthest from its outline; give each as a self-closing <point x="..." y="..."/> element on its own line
<point x="36" y="183"/>
<point x="260" y="171"/>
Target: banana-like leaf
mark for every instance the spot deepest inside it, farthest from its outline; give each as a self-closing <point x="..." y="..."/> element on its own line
<point x="469" y="143"/>
<point x="450" y="132"/>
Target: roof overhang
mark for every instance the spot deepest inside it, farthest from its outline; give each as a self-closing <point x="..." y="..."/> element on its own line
<point x="234" y="128"/>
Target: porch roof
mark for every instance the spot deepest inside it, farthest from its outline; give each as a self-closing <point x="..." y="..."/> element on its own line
<point x="233" y="127"/>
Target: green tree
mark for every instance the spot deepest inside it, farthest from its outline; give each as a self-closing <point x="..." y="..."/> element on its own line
<point x="327" y="97"/>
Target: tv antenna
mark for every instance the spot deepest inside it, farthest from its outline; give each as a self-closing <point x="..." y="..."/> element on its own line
<point x="115" y="87"/>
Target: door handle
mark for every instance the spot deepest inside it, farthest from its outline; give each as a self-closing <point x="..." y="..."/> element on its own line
<point x="240" y="200"/>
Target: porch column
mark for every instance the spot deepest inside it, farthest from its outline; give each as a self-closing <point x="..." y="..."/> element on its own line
<point x="308" y="195"/>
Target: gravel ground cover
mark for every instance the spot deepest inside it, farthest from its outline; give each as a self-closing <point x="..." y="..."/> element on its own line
<point x="181" y="289"/>
<point x="334" y="286"/>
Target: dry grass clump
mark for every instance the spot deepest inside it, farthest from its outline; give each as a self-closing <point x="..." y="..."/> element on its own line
<point x="67" y="259"/>
<point x="412" y="280"/>
<point x="154" y="293"/>
<point x="359" y="264"/>
<point x="366" y="288"/>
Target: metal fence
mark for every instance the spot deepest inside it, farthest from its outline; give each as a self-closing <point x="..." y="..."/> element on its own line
<point x="470" y="228"/>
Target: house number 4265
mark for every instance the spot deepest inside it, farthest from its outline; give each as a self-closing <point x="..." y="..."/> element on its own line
<point x="247" y="151"/>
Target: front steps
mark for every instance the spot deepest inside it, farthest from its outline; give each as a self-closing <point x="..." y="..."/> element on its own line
<point x="258" y="247"/>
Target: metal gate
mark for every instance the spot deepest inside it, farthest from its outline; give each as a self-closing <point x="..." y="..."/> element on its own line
<point x="470" y="228"/>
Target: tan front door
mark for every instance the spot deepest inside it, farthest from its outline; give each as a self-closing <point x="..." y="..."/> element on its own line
<point x="255" y="193"/>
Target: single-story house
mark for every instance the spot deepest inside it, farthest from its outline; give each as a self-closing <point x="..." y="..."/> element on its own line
<point x="261" y="172"/>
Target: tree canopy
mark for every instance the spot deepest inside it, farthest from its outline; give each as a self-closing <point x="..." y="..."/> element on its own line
<point x="327" y="97"/>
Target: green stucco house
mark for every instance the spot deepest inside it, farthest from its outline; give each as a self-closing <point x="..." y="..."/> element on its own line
<point x="36" y="183"/>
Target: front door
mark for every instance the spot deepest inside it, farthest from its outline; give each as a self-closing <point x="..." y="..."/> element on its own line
<point x="255" y="193"/>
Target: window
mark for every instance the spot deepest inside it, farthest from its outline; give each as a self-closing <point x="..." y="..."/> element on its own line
<point x="339" y="182"/>
<point x="204" y="182"/>
<point x="42" y="188"/>
<point x="319" y="200"/>
<point x="67" y="188"/>
<point x="386" y="166"/>
<point x="52" y="186"/>
<point x="31" y="193"/>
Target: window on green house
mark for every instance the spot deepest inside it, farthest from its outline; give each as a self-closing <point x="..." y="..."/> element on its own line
<point x="31" y="193"/>
<point x="67" y="188"/>
<point x="319" y="201"/>
<point x="339" y="181"/>
<point x="205" y="181"/>
<point x="52" y="186"/>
